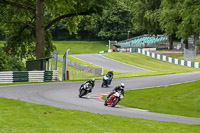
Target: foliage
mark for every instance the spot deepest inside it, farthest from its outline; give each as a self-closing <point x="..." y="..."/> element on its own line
<point x="10" y="63"/>
<point x="146" y="15"/>
<point x="189" y="13"/>
<point x="115" y="22"/>
<point x="18" y="20"/>
<point x="169" y="17"/>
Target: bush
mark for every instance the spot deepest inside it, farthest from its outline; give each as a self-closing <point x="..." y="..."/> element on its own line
<point x="10" y="63"/>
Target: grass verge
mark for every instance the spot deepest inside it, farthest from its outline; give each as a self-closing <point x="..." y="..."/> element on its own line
<point x="80" y="47"/>
<point x="157" y="67"/>
<point x="181" y="99"/>
<point x="41" y="118"/>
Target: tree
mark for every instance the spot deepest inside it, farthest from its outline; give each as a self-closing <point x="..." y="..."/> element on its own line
<point x="190" y="24"/>
<point x="37" y="16"/>
<point x="113" y="24"/>
<point x="116" y="22"/>
<point x="146" y="15"/>
<point x="170" y="18"/>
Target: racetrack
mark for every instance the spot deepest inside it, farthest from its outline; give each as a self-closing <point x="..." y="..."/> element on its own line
<point x="107" y="63"/>
<point x="65" y="95"/>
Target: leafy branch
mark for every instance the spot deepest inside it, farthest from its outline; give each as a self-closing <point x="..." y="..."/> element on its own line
<point x="18" y="5"/>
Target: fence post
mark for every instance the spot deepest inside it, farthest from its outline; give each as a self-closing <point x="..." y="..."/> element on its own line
<point x="65" y="63"/>
<point x="101" y="71"/>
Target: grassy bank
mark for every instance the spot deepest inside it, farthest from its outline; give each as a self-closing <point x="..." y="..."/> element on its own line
<point x="182" y="99"/>
<point x="157" y="67"/>
<point x="80" y="47"/>
<point x="41" y="118"/>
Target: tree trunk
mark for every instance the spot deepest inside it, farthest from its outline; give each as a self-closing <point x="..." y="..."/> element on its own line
<point x="171" y="39"/>
<point x="40" y="33"/>
<point x="186" y="43"/>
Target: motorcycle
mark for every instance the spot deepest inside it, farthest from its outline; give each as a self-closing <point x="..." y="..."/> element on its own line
<point x="85" y="89"/>
<point x="113" y="99"/>
<point x="106" y="80"/>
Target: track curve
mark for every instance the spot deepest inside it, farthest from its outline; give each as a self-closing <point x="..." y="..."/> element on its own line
<point x="108" y="63"/>
<point x="65" y="95"/>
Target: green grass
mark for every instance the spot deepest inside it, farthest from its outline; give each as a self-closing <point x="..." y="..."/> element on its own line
<point x="23" y="117"/>
<point x="181" y="99"/>
<point x="157" y="66"/>
<point x="180" y="56"/>
<point x="80" y="47"/>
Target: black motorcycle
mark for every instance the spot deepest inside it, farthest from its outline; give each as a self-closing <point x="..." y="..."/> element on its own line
<point x="85" y="89"/>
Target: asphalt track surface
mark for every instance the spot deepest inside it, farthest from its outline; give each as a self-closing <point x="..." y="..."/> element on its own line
<point x="65" y="95"/>
<point x="107" y="63"/>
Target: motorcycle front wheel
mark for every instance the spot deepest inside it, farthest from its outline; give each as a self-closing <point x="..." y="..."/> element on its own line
<point x="114" y="102"/>
<point x="104" y="83"/>
<point x="82" y="92"/>
<point x="106" y="103"/>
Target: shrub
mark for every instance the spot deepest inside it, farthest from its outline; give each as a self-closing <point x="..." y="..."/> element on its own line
<point x="10" y="63"/>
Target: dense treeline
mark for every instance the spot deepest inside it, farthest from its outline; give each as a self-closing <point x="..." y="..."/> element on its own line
<point x="93" y="20"/>
<point x="176" y="19"/>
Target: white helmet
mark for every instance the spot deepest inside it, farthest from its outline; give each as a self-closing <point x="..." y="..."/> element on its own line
<point x="93" y="79"/>
<point x="122" y="85"/>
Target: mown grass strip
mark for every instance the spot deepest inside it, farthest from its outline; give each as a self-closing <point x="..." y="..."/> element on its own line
<point x="181" y="99"/>
<point x="23" y="117"/>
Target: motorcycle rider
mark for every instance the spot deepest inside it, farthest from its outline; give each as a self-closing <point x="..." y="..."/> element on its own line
<point x="110" y="74"/>
<point x="91" y="82"/>
<point x="118" y="88"/>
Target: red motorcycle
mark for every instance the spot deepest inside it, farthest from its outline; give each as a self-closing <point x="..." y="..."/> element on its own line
<point x="113" y="99"/>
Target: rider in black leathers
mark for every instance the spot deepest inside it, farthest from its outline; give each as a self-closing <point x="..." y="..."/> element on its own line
<point x="118" y="88"/>
<point x="92" y="83"/>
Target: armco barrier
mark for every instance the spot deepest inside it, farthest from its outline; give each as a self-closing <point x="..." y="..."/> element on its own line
<point x="28" y="76"/>
<point x="169" y="59"/>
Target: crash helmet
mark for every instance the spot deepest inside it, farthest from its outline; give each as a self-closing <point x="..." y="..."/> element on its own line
<point x="122" y="85"/>
<point x="93" y="80"/>
<point x="111" y="70"/>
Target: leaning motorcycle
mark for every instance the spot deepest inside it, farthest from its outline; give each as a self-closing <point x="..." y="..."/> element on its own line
<point x="85" y="89"/>
<point x="106" y="81"/>
<point x="113" y="99"/>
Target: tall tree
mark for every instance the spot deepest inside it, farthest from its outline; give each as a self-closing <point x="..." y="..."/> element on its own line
<point x="113" y="24"/>
<point x="170" y="18"/>
<point x="190" y="24"/>
<point x="37" y="16"/>
<point x="146" y="15"/>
